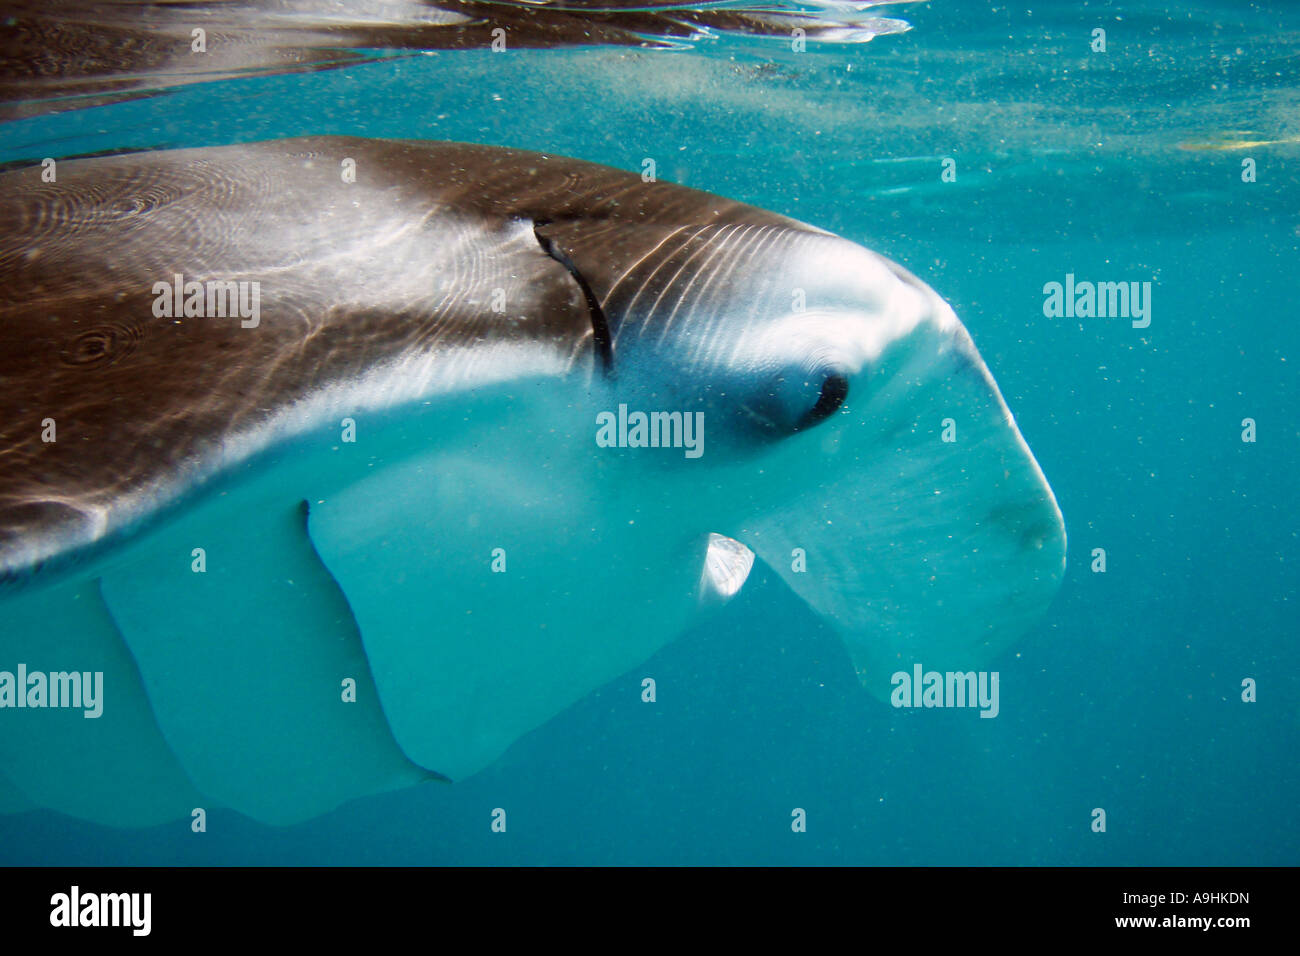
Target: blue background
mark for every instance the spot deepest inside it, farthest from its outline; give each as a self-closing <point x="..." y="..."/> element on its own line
<point x="1127" y="696"/>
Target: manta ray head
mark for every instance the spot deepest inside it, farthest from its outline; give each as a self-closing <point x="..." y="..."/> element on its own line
<point x="856" y="440"/>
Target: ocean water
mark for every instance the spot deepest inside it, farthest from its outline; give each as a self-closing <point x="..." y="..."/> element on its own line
<point x="1125" y="165"/>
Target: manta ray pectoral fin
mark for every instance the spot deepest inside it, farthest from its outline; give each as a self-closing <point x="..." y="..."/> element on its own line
<point x="114" y="768"/>
<point x="494" y="591"/>
<point x="254" y="668"/>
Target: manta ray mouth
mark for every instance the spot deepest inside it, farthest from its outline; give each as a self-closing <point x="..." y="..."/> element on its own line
<point x="599" y="323"/>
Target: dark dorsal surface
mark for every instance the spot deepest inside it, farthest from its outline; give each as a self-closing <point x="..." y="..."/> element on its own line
<point x="352" y="278"/>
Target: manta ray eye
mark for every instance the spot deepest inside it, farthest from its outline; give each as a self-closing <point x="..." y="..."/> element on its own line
<point x="835" y="389"/>
<point x="794" y="401"/>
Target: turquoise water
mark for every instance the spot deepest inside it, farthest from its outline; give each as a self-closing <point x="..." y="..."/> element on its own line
<point x="1119" y="166"/>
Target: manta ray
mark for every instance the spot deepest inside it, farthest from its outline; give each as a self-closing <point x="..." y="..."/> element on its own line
<point x="78" y="53"/>
<point x="333" y="457"/>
